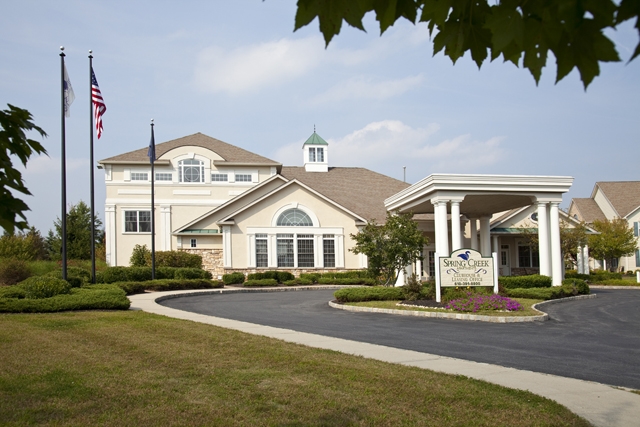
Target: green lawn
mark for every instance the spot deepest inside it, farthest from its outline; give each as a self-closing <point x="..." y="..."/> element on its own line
<point x="138" y="369"/>
<point x="526" y="304"/>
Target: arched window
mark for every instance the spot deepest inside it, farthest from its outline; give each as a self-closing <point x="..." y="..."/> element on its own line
<point x="191" y="170"/>
<point x="294" y="218"/>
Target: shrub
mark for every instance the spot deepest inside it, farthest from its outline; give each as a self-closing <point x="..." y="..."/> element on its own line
<point x="233" y="278"/>
<point x="454" y="293"/>
<point x="44" y="287"/>
<point x="353" y="274"/>
<point x="298" y="282"/>
<point x="12" y="292"/>
<point x="260" y="282"/>
<point x="13" y="271"/>
<point x="174" y="259"/>
<point x="139" y="255"/>
<point x="76" y="276"/>
<point x="374" y="293"/>
<point x="576" y="286"/>
<point x="191" y="273"/>
<point x="313" y="277"/>
<point x="531" y="281"/>
<point x="596" y="276"/>
<point x="114" y="274"/>
<point x="614" y="282"/>
<point x="347" y="281"/>
<point x="94" y="297"/>
<point x="279" y="276"/>
<point x="413" y="288"/>
<point x="167" y="285"/>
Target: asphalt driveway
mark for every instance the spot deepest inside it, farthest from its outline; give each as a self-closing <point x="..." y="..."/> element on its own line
<point x="593" y="339"/>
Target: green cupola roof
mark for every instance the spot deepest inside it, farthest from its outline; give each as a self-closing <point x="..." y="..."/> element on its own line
<point x="315" y="139"/>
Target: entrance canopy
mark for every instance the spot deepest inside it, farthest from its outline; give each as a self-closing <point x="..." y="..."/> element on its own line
<point x="477" y="197"/>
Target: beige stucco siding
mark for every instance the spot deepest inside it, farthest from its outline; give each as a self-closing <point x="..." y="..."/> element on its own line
<point x="264" y="213"/>
<point x="604" y="205"/>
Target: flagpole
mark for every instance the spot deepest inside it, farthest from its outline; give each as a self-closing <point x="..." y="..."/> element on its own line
<point x="152" y="159"/>
<point x="93" y="216"/>
<point x="63" y="219"/>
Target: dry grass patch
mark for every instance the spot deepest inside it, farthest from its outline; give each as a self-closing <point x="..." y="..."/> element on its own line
<point x="134" y="368"/>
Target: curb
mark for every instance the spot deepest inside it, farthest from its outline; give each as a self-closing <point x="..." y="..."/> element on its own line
<point x="461" y="316"/>
<point x="614" y="287"/>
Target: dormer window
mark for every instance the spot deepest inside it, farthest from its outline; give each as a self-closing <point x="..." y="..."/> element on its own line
<point x="191" y="170"/>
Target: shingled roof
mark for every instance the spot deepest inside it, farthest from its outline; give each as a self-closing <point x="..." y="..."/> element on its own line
<point x="588" y="210"/>
<point x="623" y="195"/>
<point x="230" y="153"/>
<point x="359" y="190"/>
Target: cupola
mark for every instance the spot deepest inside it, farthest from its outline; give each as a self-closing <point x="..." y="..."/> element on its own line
<point x="315" y="154"/>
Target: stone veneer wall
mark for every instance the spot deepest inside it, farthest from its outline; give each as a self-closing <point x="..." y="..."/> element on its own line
<point x="212" y="261"/>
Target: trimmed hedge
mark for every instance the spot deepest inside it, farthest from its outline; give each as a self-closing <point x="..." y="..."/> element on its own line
<point x="520" y="282"/>
<point x="615" y="282"/>
<point x="348" y="281"/>
<point x="233" y="278"/>
<point x="280" y="276"/>
<point x="133" y="274"/>
<point x="131" y="288"/>
<point x="298" y="282"/>
<point x="569" y="288"/>
<point x="374" y="293"/>
<point x="313" y="277"/>
<point x="353" y="274"/>
<point x="76" y="276"/>
<point x="595" y="276"/>
<point x="94" y="297"/>
<point x="260" y="282"/>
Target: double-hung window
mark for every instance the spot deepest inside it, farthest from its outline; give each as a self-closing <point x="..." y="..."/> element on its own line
<point x="137" y="221"/>
<point x="262" y="251"/>
<point x="191" y="170"/>
<point x="329" y="250"/>
<point x="285" y="250"/>
<point x="305" y="250"/>
<point x="528" y="256"/>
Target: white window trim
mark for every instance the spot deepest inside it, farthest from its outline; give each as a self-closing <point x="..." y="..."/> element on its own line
<point x="124" y="219"/>
<point x="295" y="205"/>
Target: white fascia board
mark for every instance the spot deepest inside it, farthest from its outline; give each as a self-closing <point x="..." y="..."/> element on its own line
<point x="478" y="184"/>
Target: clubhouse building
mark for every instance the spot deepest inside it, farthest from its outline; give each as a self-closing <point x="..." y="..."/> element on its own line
<point x="244" y="212"/>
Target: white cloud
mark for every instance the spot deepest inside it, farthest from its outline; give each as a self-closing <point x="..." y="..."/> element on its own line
<point x="45" y="165"/>
<point x="367" y="88"/>
<point x="386" y="146"/>
<point x="247" y="68"/>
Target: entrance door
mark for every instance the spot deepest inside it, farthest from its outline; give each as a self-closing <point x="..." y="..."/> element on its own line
<point x="505" y="264"/>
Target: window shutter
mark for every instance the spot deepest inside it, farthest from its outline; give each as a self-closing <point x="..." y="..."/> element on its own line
<point x="636" y="225"/>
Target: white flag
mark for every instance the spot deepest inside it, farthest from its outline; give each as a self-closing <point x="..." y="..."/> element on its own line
<point x="69" y="96"/>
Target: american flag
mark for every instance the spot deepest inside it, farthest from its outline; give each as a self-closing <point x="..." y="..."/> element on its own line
<point x="99" y="107"/>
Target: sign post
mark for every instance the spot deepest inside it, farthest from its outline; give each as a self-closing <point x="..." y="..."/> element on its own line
<point x="466" y="268"/>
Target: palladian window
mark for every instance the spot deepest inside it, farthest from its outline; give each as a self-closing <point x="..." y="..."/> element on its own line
<point x="191" y="170"/>
<point x="294" y="218"/>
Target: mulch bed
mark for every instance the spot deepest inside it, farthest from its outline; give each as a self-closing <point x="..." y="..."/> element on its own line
<point x="427" y="303"/>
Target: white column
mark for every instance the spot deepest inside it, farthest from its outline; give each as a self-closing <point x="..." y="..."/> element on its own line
<point x="474" y="233"/>
<point x="579" y="260"/>
<point x="110" y="234"/>
<point x="442" y="231"/>
<point x="543" y="239"/>
<point x="418" y="269"/>
<point x="485" y="239"/>
<point x="456" y="237"/>
<point x="556" y="250"/>
<point x="226" y="245"/>
<point x="495" y="244"/>
<point x="165" y="227"/>
<point x="585" y="259"/>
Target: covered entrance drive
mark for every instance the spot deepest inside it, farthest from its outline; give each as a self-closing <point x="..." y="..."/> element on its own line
<point x="456" y="200"/>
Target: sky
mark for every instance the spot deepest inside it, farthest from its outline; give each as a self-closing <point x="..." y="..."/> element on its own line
<point x="238" y="72"/>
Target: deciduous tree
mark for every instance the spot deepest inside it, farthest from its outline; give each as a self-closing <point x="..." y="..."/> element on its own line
<point x="14" y="122"/>
<point x="614" y="241"/>
<point x="390" y="247"/>
<point x="523" y="32"/>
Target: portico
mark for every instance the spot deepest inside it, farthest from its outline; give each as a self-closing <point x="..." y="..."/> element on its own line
<point x="455" y="199"/>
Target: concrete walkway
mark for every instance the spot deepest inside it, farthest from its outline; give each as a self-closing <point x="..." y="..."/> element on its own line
<point x="600" y="404"/>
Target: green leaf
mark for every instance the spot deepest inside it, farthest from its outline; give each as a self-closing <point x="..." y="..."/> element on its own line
<point x="330" y="14"/>
<point x="389" y="11"/>
<point x="506" y="26"/>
